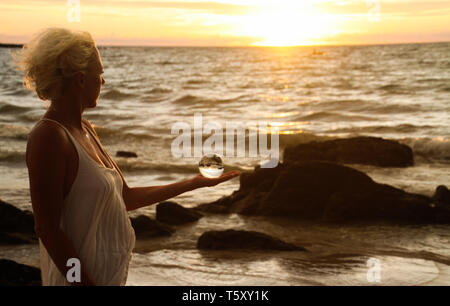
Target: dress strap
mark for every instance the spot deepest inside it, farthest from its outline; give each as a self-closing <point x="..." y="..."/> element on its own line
<point x="55" y="122"/>
<point x="100" y="147"/>
<point x="79" y="148"/>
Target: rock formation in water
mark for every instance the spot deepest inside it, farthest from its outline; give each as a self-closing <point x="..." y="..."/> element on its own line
<point x="175" y="214"/>
<point x="146" y="227"/>
<point x="15" y="274"/>
<point x="16" y="225"/>
<point x="235" y="239"/>
<point x="325" y="191"/>
<point x="358" y="150"/>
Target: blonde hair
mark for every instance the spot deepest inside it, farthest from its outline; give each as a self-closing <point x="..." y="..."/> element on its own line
<point x="52" y="57"/>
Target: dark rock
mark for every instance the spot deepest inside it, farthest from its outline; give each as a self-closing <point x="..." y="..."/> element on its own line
<point x="16" y="238"/>
<point x="126" y="154"/>
<point x="15" y="274"/>
<point x="146" y="227"/>
<point x="324" y="191"/>
<point x="234" y="239"/>
<point x="16" y="226"/>
<point x="442" y="195"/>
<point x="221" y="206"/>
<point x="12" y="219"/>
<point x="358" y="150"/>
<point x="441" y="199"/>
<point x="173" y="213"/>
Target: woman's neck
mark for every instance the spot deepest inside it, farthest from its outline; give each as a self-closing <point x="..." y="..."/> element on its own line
<point x="70" y="116"/>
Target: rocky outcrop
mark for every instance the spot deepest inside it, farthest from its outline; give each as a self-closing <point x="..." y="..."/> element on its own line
<point x="324" y="191"/>
<point x="441" y="202"/>
<point x="442" y="196"/>
<point x="146" y="227"/>
<point x="358" y="150"/>
<point x="12" y="219"/>
<point x="16" y="238"/>
<point x="173" y="213"/>
<point x="235" y="239"/>
<point x="126" y="154"/>
<point x="15" y="274"/>
<point x="16" y="225"/>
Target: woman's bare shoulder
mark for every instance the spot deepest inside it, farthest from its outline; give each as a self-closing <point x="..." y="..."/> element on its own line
<point x="46" y="137"/>
<point x="47" y="130"/>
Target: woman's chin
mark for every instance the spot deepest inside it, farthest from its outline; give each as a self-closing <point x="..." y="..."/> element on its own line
<point x="92" y="105"/>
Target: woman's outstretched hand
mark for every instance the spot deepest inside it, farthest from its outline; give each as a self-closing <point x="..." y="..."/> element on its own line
<point x="201" y="181"/>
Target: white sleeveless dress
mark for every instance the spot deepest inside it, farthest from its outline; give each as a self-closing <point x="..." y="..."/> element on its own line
<point x="95" y="219"/>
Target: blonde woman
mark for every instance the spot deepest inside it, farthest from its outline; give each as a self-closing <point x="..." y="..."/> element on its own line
<point x="79" y="196"/>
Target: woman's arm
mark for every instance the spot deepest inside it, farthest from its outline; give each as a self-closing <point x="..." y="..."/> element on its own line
<point x="46" y="158"/>
<point x="138" y="197"/>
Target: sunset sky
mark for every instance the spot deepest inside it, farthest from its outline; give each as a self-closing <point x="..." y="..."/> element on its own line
<point x="232" y="22"/>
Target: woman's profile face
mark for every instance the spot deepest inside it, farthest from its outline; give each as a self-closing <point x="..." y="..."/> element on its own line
<point x="94" y="80"/>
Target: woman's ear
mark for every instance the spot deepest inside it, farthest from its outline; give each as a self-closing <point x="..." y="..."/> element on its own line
<point x="80" y="79"/>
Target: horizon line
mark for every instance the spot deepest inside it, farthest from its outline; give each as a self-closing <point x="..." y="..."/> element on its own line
<point x="249" y="46"/>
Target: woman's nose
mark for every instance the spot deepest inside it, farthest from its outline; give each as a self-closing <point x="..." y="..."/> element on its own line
<point x="103" y="81"/>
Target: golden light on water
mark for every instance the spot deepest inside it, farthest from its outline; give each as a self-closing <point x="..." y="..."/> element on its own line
<point x="282" y="114"/>
<point x="282" y="128"/>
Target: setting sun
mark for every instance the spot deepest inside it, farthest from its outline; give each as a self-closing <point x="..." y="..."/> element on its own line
<point x="286" y="25"/>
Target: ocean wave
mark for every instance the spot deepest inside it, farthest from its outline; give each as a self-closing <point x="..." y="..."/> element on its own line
<point x="391" y="88"/>
<point x="115" y="94"/>
<point x="363" y="67"/>
<point x="12" y="156"/>
<point x="332" y="116"/>
<point x="400" y="128"/>
<point x="445" y="88"/>
<point x="120" y="134"/>
<point x="431" y="80"/>
<point x="187" y="99"/>
<point x="18" y="92"/>
<point x="14" y="131"/>
<point x="196" y="100"/>
<point x="12" y="109"/>
<point x="342" y="104"/>
<point x="153" y="98"/>
<point x="346" y="85"/>
<point x="316" y="84"/>
<point x="382" y="108"/>
<point x="164" y="63"/>
<point x="248" y="85"/>
<point x="396" y="89"/>
<point x="287" y="140"/>
<point x="158" y="90"/>
<point x="196" y="81"/>
<point x="437" y="148"/>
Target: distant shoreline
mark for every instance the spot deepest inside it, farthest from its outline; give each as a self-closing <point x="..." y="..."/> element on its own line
<point x="11" y="45"/>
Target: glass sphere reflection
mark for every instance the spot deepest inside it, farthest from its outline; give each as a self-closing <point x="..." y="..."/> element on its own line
<point x="211" y="165"/>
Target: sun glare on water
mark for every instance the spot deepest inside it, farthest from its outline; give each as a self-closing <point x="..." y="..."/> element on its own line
<point x="287" y="23"/>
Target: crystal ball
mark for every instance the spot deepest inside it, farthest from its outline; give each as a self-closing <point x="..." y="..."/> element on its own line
<point x="211" y="165"/>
